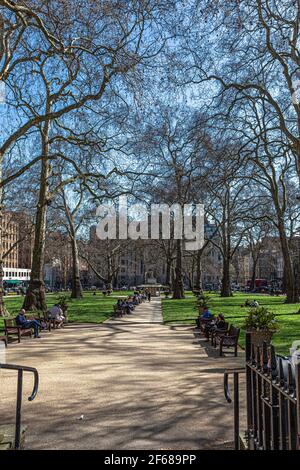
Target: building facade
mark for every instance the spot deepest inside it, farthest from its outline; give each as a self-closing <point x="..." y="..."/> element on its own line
<point x="17" y="246"/>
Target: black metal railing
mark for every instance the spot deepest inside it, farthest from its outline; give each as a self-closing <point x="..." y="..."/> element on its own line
<point x="272" y="399"/>
<point x="21" y="370"/>
<point x="236" y="401"/>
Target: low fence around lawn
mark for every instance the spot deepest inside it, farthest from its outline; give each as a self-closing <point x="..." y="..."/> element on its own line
<point x="272" y="400"/>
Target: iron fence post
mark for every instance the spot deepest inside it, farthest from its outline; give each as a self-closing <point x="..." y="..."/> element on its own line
<point x="18" y="410"/>
<point x="236" y="411"/>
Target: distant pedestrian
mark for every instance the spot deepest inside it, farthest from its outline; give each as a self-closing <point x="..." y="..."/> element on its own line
<point x="149" y="296"/>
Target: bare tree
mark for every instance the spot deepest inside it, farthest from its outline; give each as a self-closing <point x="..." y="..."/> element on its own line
<point x="103" y="259"/>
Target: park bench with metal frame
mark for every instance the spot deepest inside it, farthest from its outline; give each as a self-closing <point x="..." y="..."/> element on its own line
<point x="12" y="329"/>
<point x="228" y="340"/>
<point x="121" y="311"/>
<point x="118" y="311"/>
<point x="3" y="337"/>
<point x="43" y="317"/>
<point x="214" y="332"/>
<point x="51" y="323"/>
<point x="203" y="322"/>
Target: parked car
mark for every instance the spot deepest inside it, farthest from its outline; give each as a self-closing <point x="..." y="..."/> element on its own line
<point x="261" y="290"/>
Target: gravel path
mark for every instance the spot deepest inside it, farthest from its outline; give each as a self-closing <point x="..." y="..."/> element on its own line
<point x="129" y="383"/>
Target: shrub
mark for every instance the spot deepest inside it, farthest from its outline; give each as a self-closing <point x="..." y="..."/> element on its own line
<point x="260" y="318"/>
<point x="196" y="292"/>
<point x="203" y="300"/>
<point x="63" y="302"/>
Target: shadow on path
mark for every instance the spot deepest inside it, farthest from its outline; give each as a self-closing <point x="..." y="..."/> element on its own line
<point x="136" y="384"/>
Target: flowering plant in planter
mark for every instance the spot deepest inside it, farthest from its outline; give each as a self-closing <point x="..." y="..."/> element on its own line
<point x="202" y="302"/>
<point x="63" y="302"/>
<point x="260" y="318"/>
<point x="262" y="324"/>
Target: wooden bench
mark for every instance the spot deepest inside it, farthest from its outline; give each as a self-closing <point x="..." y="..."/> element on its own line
<point x="12" y="329"/>
<point x="118" y="311"/>
<point x="203" y="323"/>
<point x="228" y="340"/>
<point x="52" y="321"/>
<point x="3" y="338"/>
<point x="218" y="331"/>
<point x="43" y="317"/>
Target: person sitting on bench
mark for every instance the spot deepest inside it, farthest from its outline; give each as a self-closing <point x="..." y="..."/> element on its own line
<point x="206" y="315"/>
<point x="218" y="324"/>
<point x="251" y="303"/>
<point x="128" y="305"/>
<point x="55" y="313"/>
<point x="22" y="321"/>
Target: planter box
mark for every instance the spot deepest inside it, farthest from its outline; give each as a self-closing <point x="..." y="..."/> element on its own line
<point x="259" y="336"/>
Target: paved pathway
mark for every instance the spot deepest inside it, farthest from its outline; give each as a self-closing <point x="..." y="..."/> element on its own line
<point x="139" y="384"/>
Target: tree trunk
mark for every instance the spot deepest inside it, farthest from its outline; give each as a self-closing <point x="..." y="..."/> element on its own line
<point x="198" y="282"/>
<point x="109" y="286"/>
<point x="253" y="276"/>
<point x="178" y="292"/>
<point x="2" y="305"/>
<point x="190" y="279"/>
<point x="35" y="296"/>
<point x="110" y="270"/>
<point x="289" y="278"/>
<point x="226" y="288"/>
<point x="169" y="274"/>
<point x="76" y="283"/>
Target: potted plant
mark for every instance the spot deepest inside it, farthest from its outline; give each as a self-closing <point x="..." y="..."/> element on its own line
<point x="202" y="302"/>
<point x="63" y="302"/>
<point x="261" y="324"/>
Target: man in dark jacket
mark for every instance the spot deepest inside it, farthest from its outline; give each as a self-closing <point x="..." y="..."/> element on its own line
<point x="22" y="321"/>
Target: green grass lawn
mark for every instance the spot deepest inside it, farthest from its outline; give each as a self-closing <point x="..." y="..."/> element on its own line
<point x="90" y="309"/>
<point x="184" y="312"/>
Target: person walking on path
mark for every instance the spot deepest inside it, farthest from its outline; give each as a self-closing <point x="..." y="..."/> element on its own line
<point x="149" y="296"/>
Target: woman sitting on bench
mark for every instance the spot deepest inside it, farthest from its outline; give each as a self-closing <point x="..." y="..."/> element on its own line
<point x="218" y="324"/>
